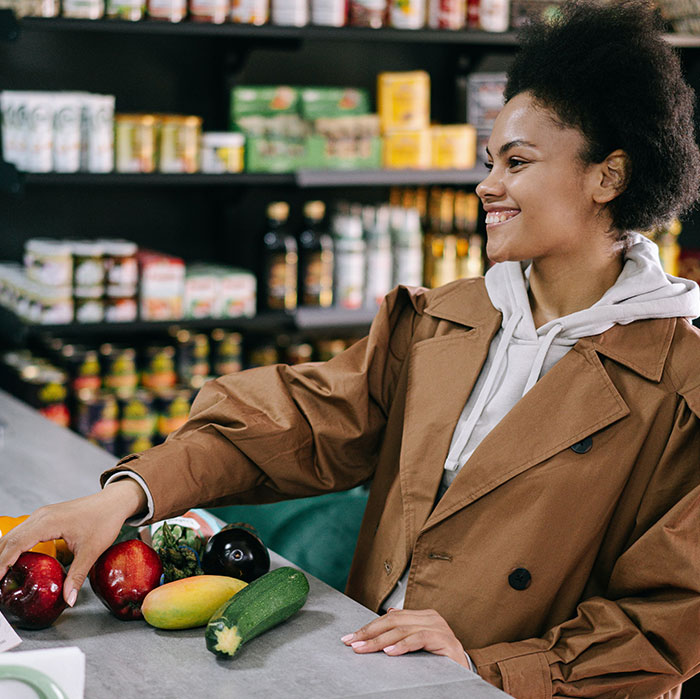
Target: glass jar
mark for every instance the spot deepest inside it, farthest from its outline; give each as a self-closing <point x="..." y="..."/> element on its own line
<point x="222" y="152"/>
<point x="131" y="10"/>
<point x="179" y="144"/>
<point x="83" y="9"/>
<point x="135" y="142"/>
<point x="168" y="10"/>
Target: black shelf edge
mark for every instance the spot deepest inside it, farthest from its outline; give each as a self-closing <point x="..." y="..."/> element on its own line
<point x="158" y="179"/>
<point x="320" y="318"/>
<point x="373" y="178"/>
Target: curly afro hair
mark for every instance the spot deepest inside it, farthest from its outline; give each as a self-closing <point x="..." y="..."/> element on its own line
<point x="604" y="68"/>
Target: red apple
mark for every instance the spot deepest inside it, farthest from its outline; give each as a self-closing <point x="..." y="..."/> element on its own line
<point x="31" y="593"/>
<point x="123" y="575"/>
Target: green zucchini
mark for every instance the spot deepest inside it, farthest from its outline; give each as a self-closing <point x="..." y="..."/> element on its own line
<point x="264" y="603"/>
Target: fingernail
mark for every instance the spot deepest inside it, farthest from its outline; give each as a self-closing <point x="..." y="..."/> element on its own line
<point x="72" y="597"/>
<point x="388" y="649"/>
<point x="348" y="637"/>
<point x="358" y="644"/>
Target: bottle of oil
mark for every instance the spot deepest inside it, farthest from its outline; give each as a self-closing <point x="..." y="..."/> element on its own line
<point x="470" y="260"/>
<point x="315" y="258"/>
<point x="278" y="278"/>
<point x="445" y="242"/>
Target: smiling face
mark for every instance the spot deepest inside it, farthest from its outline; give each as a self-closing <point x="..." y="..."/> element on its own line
<point x="539" y="196"/>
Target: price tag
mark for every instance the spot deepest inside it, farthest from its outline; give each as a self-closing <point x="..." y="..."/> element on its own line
<point x="8" y="637"/>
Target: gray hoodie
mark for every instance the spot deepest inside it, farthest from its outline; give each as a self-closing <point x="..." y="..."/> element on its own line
<point x="521" y="354"/>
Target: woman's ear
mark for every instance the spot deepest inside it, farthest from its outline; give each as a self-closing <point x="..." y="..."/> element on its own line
<point x="611" y="176"/>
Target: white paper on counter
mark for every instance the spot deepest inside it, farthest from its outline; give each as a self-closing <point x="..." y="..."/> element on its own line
<point x="66" y="666"/>
<point x="8" y="637"/>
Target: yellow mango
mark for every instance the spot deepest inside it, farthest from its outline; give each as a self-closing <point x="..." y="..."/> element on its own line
<point x="190" y="602"/>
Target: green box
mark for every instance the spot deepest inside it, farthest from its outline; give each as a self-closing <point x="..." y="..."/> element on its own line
<point x="274" y="155"/>
<point x="318" y="156"/>
<point x="254" y="100"/>
<point x="320" y="102"/>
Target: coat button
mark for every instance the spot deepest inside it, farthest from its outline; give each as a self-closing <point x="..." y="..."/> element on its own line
<point x="583" y="446"/>
<point x="387" y="567"/>
<point x="520" y="579"/>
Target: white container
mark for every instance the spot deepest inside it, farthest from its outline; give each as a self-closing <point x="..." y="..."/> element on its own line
<point x="54" y="304"/>
<point x="34" y="8"/>
<point x="88" y="264"/>
<point x="83" y="9"/>
<point x="350" y="262"/>
<point x="130" y="10"/>
<point x="407" y="14"/>
<point x="36" y="116"/>
<point x="494" y="15"/>
<point x="9" y="107"/>
<point x="290" y="13"/>
<point x="66" y="131"/>
<point x="121" y="266"/>
<point x="97" y="133"/>
<point x="379" y="273"/>
<point x="48" y="261"/>
<point x="222" y="152"/>
<point x="250" y="11"/>
<point x="408" y="247"/>
<point x="214" y="11"/>
<point x="329" y="13"/>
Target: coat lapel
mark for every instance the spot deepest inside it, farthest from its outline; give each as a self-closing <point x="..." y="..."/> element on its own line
<point x="573" y="400"/>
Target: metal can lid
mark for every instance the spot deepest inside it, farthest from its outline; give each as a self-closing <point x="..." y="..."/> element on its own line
<point x="87" y="248"/>
<point x="118" y="247"/>
<point x="48" y="246"/>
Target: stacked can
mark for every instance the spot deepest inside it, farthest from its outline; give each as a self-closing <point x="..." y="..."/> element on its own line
<point x="121" y="273"/>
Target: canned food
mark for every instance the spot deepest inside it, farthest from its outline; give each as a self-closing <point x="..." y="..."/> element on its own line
<point x="36" y="8"/>
<point x="192" y="356"/>
<point x="119" y="369"/>
<point x="159" y="367"/>
<point x="222" y="152"/>
<point x="227" y="352"/>
<point x="83" y="9"/>
<point x="447" y="14"/>
<point x="121" y="266"/>
<point x="179" y="143"/>
<point x="49" y="261"/>
<point x="97" y="418"/>
<point x="45" y="388"/>
<point x="250" y="11"/>
<point x="137" y="422"/>
<point x="299" y="353"/>
<point x="89" y="305"/>
<point x="169" y="10"/>
<point x="132" y="10"/>
<point x="215" y="11"/>
<point x="327" y="349"/>
<point x="83" y="367"/>
<point x="135" y="142"/>
<point x="173" y="408"/>
<point x="263" y="355"/>
<point x="88" y="265"/>
<point x="120" y="306"/>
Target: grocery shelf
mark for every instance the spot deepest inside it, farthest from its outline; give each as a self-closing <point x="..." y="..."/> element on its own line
<point x="374" y="178"/>
<point x="158" y="179"/>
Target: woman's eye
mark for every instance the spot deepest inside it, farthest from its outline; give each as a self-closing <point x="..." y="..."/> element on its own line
<point x="515" y="162"/>
<point x="488" y="166"/>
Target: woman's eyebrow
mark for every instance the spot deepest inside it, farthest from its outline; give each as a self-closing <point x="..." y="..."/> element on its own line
<point x="512" y="144"/>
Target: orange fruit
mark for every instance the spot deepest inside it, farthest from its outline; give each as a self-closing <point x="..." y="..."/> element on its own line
<point x="7" y="523"/>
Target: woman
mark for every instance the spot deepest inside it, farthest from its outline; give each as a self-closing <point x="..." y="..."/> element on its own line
<point x="532" y="438"/>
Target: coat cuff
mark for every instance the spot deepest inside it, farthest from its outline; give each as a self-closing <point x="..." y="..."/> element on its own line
<point x="519" y="669"/>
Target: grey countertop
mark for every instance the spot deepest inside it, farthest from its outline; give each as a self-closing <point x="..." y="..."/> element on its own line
<point x="42" y="463"/>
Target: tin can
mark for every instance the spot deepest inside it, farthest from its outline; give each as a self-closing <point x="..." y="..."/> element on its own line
<point x="137" y="422"/>
<point x="368" y="13"/>
<point x="168" y="10"/>
<point x="327" y="349"/>
<point x="192" y="356"/>
<point x="447" y="14"/>
<point x="83" y="9"/>
<point x="120" y="305"/>
<point x="83" y="368"/>
<point x="179" y="144"/>
<point x="250" y="11"/>
<point x="407" y="14"/>
<point x="120" y="263"/>
<point x="290" y="13"/>
<point x="214" y="11"/>
<point x="119" y="372"/>
<point x="226" y="352"/>
<point x="329" y="13"/>
<point x="97" y="418"/>
<point x="132" y="10"/>
<point x="173" y="408"/>
<point x="135" y="142"/>
<point x="263" y="355"/>
<point x="158" y="370"/>
<point x="46" y="389"/>
<point x="88" y="304"/>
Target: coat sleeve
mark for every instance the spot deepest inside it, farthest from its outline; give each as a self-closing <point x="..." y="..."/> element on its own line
<point x="641" y="638"/>
<point x="277" y="432"/>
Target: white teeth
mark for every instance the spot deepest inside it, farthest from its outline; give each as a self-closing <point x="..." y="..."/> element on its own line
<point x="499" y="216"/>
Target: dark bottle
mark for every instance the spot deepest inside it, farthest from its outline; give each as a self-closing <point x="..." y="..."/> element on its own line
<point x="278" y="278"/>
<point x="315" y="258"/>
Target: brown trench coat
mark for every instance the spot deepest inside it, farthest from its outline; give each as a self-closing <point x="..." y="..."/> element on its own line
<point x="609" y="532"/>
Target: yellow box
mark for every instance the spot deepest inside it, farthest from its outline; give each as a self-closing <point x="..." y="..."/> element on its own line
<point x="403" y="100"/>
<point x="408" y="149"/>
<point x="453" y="146"/>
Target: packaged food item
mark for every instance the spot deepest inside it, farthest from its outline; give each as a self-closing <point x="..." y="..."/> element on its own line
<point x="250" y="11"/>
<point x="44" y="387"/>
<point x="494" y="15"/>
<point x="168" y="10"/>
<point x="97" y="133"/>
<point x="290" y="13"/>
<point x="331" y="102"/>
<point x="132" y="10"/>
<point x="200" y="292"/>
<point x="179" y="143"/>
<point x="350" y="261"/>
<point x="484" y="98"/>
<point x="162" y="284"/>
<point x="89" y="304"/>
<point x="36" y="113"/>
<point x="135" y="142"/>
<point x="36" y="8"/>
<point x="379" y="273"/>
<point x="48" y="261"/>
<point x="83" y="9"/>
<point x="12" y="148"/>
<point x="55" y="304"/>
<point x="173" y="408"/>
<point x="407" y="14"/>
<point x="298" y="353"/>
<point x="191" y="356"/>
<point x="453" y="146"/>
<point x="404" y="100"/>
<point x="329" y="13"/>
<point x="447" y="14"/>
<point x="159" y="367"/>
<point x="222" y="152"/>
<point x="237" y="293"/>
<point x="83" y="368"/>
<point x="137" y="422"/>
<point x="97" y="418"/>
<point x="121" y="266"/>
<point x="88" y="266"/>
<point x="315" y="258"/>
<point x="368" y="13"/>
<point x="66" y="131"/>
<point x="214" y="11"/>
<point x="226" y="352"/>
<point x="121" y="304"/>
<point x="408" y="149"/>
<point x="119" y="372"/>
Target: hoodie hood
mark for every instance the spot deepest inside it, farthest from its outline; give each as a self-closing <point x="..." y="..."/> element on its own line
<point x="521" y="354"/>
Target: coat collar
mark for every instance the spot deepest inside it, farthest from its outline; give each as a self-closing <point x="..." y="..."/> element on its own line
<point x="641" y="346"/>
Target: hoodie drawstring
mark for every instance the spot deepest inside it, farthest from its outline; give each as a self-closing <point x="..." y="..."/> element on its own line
<point x="538" y="362"/>
<point x="464" y="430"/>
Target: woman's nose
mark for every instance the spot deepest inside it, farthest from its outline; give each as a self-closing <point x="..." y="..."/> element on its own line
<point x="490" y="186"/>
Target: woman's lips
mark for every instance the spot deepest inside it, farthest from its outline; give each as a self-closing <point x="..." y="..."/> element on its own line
<point x="494" y="218"/>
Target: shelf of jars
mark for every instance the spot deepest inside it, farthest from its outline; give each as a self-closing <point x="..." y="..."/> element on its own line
<point x="14" y="182"/>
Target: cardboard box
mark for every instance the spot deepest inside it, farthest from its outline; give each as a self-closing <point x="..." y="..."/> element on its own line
<point x="161" y="285"/>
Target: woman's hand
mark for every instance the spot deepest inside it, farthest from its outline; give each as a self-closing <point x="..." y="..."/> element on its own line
<point x="89" y="525"/>
<point x="401" y="631"/>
